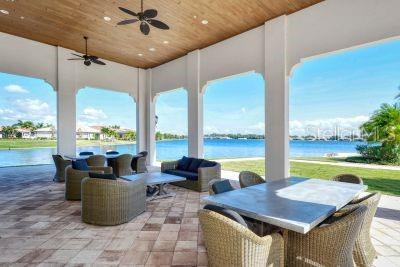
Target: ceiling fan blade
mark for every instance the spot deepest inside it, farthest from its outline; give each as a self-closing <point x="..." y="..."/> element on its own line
<point x="77" y="55"/>
<point x="158" y="24"/>
<point x="97" y="61"/>
<point x="92" y="57"/>
<point x="127" y="11"/>
<point x="150" y="13"/>
<point x="75" y="59"/>
<point x="128" y="21"/>
<point x="144" y="28"/>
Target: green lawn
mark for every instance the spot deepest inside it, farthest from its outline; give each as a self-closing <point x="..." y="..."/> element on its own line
<point x="27" y="143"/>
<point x="385" y="181"/>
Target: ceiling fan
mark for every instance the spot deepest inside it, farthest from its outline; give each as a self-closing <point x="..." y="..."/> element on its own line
<point x="87" y="59"/>
<point x="146" y="18"/>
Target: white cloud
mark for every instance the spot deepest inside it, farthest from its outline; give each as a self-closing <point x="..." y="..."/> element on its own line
<point x="14" y="88"/>
<point x="92" y="114"/>
<point x="326" y="126"/>
<point x="243" y="110"/>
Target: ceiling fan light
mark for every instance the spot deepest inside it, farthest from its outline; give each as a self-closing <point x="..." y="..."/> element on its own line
<point x="152" y="49"/>
<point x="5" y="12"/>
<point x="204" y="22"/>
<point x="107" y="18"/>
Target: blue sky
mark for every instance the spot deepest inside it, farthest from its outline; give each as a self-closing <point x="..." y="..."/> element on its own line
<point x="337" y="89"/>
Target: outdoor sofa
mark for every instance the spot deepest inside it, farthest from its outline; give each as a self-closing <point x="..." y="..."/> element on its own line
<point x="198" y="172"/>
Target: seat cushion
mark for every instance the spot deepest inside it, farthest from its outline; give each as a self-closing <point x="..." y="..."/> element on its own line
<point x="107" y="176"/>
<point x="194" y="165"/>
<point x="80" y="164"/>
<point x="207" y="164"/>
<point x="222" y="187"/>
<point x="184" y="163"/>
<point x="188" y="175"/>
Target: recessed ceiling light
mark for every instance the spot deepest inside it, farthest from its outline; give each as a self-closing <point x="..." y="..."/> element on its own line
<point x="195" y="17"/>
<point x="140" y="55"/>
<point x="22" y="17"/>
<point x="204" y="21"/>
<point x="5" y="12"/>
<point x="166" y="42"/>
<point x="107" y="18"/>
<point x="152" y="49"/>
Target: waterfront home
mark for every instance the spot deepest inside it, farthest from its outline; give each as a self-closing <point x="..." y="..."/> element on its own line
<point x="88" y="133"/>
<point x="45" y="133"/>
<point x="24" y="133"/>
<point x="1" y="132"/>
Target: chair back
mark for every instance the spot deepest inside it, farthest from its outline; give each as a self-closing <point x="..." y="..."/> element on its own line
<point x="139" y="162"/>
<point x="233" y="215"/>
<point x="112" y="152"/>
<point x="96" y="160"/>
<point x="123" y="165"/>
<point x="86" y="153"/>
<point x="60" y="164"/>
<point x="248" y="178"/>
<point x="348" y="178"/>
<point x="229" y="243"/>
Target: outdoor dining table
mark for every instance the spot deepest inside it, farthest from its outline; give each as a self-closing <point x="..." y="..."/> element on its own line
<point x="87" y="156"/>
<point x="297" y="204"/>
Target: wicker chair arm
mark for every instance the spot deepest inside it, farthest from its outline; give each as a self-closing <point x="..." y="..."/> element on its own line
<point x="209" y="173"/>
<point x="169" y="165"/>
<point x="106" y="170"/>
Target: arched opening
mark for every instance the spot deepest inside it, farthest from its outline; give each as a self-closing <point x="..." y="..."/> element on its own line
<point x="28" y="129"/>
<point x="335" y="102"/>
<point x="171" y="125"/>
<point x="234" y="118"/>
<point x="105" y="120"/>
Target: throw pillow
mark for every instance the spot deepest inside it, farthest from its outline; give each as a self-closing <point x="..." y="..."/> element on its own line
<point x="194" y="165"/>
<point x="80" y="164"/>
<point x="107" y="176"/>
<point x="184" y="163"/>
<point x="207" y="164"/>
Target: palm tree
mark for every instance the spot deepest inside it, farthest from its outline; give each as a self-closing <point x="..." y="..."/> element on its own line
<point x="10" y="131"/>
<point x="384" y="126"/>
<point x="398" y="96"/>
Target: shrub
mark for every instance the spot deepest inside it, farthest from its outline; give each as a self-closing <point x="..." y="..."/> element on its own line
<point x="380" y="153"/>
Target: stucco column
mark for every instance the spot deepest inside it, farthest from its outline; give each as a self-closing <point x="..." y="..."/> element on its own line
<point x="277" y="100"/>
<point x="141" y="108"/>
<point x="150" y="120"/>
<point x="66" y="104"/>
<point x="195" y="106"/>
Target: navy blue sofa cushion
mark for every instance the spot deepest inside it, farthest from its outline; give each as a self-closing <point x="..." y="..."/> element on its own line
<point x="222" y="187"/>
<point x="112" y="153"/>
<point x="184" y="163"/>
<point x="86" y="153"/>
<point x="207" y="164"/>
<point x="80" y="164"/>
<point x="188" y="175"/>
<point x="106" y="176"/>
<point x="194" y="165"/>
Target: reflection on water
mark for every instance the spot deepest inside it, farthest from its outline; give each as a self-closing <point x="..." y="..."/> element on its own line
<point x="169" y="150"/>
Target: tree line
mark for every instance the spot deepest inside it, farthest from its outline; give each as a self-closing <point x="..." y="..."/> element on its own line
<point x="11" y="131"/>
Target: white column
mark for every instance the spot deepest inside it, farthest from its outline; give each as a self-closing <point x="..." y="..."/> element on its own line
<point x="141" y="112"/>
<point x="195" y="105"/>
<point x="66" y="104"/>
<point x="277" y="100"/>
<point x="151" y="120"/>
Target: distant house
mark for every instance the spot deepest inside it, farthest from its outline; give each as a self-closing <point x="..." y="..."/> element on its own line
<point x="98" y="129"/>
<point x="87" y="133"/>
<point x="47" y="133"/>
<point x="24" y="133"/>
<point x="1" y="132"/>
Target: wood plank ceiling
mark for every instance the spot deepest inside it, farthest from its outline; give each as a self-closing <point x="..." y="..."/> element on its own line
<point x="65" y="22"/>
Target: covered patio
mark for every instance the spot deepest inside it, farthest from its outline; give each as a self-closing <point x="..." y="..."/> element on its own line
<point x="39" y="227"/>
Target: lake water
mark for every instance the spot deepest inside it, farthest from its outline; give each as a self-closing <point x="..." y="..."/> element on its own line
<point x="168" y="150"/>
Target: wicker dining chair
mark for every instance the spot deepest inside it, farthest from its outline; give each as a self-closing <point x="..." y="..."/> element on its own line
<point x="112" y="202"/>
<point x="61" y="164"/>
<point x="348" y="178"/>
<point x="210" y="184"/>
<point x="364" y="252"/>
<point x="330" y="244"/>
<point x="121" y="165"/>
<point x="96" y="160"/>
<point x="229" y="243"/>
<point x="247" y="178"/>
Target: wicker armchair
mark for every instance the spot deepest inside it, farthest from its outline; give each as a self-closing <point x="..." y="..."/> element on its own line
<point x="61" y="164"/>
<point x="247" y="178"/>
<point x="364" y="252"/>
<point x="121" y="165"/>
<point x="205" y="176"/>
<point x="348" y="178"/>
<point x="139" y="162"/>
<point x="96" y="160"/>
<point x="229" y="243"/>
<point x="74" y="178"/>
<point x="112" y="202"/>
<point x="330" y="244"/>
